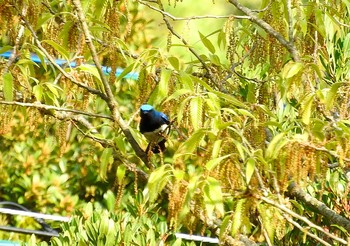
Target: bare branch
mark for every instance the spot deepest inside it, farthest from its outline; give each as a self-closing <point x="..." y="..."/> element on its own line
<point x="164" y="13"/>
<point x="269" y="29"/>
<point x="50" y="107"/>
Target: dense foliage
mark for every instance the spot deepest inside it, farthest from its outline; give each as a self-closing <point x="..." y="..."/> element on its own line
<point x="259" y="148"/>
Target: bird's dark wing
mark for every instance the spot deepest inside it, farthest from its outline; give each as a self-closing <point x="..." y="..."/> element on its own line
<point x="165" y="118"/>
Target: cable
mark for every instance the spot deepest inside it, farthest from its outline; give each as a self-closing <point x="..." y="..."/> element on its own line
<point x="37" y="216"/>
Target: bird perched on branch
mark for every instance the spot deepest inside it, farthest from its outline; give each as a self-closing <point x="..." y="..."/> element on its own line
<point x="154" y="126"/>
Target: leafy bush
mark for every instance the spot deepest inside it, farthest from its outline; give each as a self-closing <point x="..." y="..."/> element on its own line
<point x="259" y="112"/>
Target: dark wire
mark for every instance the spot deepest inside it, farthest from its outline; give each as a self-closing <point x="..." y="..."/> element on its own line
<point x="49" y="231"/>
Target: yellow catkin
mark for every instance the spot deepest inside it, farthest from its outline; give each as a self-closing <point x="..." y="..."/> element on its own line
<point x="120" y="192"/>
<point x="61" y="134"/>
<point x="5" y="119"/>
<point x="176" y="200"/>
<point x="344" y="103"/>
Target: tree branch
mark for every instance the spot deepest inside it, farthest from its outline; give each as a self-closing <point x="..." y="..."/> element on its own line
<point x="171" y="29"/>
<point x="112" y="104"/>
<point x="269" y="29"/>
<point x="164" y="13"/>
<point x="320" y="207"/>
<point x="302" y="218"/>
<point x="297" y="225"/>
<point x="50" y="107"/>
<point x="52" y="60"/>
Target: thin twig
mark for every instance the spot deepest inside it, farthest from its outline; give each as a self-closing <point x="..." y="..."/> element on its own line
<point x="171" y="29"/>
<point x="52" y="60"/>
<point x="174" y="18"/>
<point x="302" y="218"/>
<point x="50" y="107"/>
<point x="297" y="225"/>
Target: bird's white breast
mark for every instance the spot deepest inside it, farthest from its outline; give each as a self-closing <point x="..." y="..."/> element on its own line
<point x="156" y="135"/>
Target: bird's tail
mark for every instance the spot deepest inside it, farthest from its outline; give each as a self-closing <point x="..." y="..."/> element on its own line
<point x="160" y="147"/>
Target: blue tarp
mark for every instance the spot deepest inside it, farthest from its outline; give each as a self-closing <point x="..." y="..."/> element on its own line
<point x="8" y="243"/>
<point x="61" y="62"/>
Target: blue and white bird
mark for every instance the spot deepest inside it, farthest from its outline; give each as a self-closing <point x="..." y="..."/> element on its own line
<point x="154" y="126"/>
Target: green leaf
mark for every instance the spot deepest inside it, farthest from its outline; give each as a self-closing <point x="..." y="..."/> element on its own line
<point x="245" y="113"/>
<point x="332" y="94"/>
<point x="186" y="81"/>
<point x="275" y="145"/>
<point x="196" y="106"/>
<point x="207" y="43"/>
<point x="238" y="217"/>
<point x="106" y="159"/>
<point x="291" y="69"/>
<point x="54" y="89"/>
<point x="174" y="61"/>
<point x="121" y="170"/>
<point x="126" y="70"/>
<point x="190" y="144"/>
<point x="306" y="106"/>
<point x="230" y="99"/>
<point x="178" y="93"/>
<point x="38" y="92"/>
<point x="91" y="70"/>
<point x="214" y="162"/>
<point x="223" y="228"/>
<point x="241" y="149"/>
<point x="216" y="148"/>
<point x="109" y="199"/>
<point x="161" y="92"/>
<point x="213" y="198"/>
<point x="64" y="53"/>
<point x="249" y="171"/>
<point x="320" y="25"/>
<point x="8" y="86"/>
<point x="157" y="181"/>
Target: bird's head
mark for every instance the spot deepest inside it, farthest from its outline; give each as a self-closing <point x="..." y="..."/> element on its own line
<point x="146" y="109"/>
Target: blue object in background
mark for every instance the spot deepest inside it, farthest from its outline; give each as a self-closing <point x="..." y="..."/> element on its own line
<point x="61" y="62"/>
<point x="8" y="243"/>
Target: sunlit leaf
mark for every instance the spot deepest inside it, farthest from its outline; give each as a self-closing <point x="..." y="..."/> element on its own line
<point x="237" y="217"/>
<point x="8" y="86"/>
<point x="207" y="43"/>
<point x="213" y="198"/>
<point x="64" y="53"/>
<point x="332" y="94"/>
<point x="249" y="171"/>
<point x="190" y="144"/>
<point x="196" y="106"/>
<point x="38" y="92"/>
<point x="291" y="69"/>
<point x="177" y="94"/>
<point x="157" y="181"/>
<point x="174" y="62"/>
<point x="210" y="165"/>
<point x="276" y="144"/>
<point x="121" y="170"/>
<point x="306" y="106"/>
<point x="105" y="160"/>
